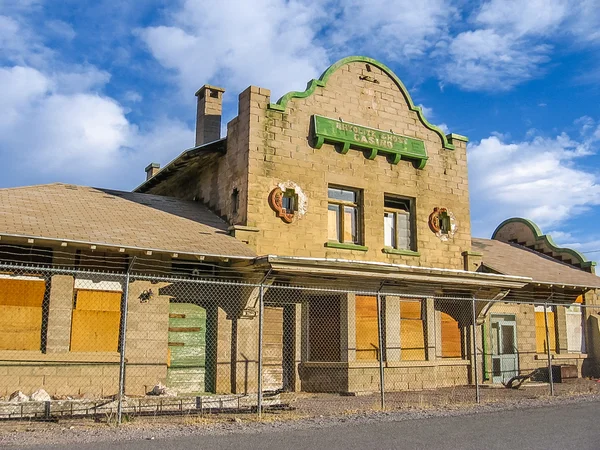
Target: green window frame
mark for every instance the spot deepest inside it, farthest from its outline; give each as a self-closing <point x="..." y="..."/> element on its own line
<point x="344" y="212"/>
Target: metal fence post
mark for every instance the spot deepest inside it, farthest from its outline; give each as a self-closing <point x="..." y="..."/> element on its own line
<point x="123" y="337"/>
<point x="381" y="354"/>
<point x="475" y="366"/>
<point x="550" y="376"/>
<point x="260" y="349"/>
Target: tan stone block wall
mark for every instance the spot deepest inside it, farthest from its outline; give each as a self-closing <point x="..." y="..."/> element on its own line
<point x="529" y="359"/>
<point x="326" y="377"/>
<point x="280" y="150"/>
<point x="60" y="311"/>
<point x="213" y="181"/>
<point x="60" y="379"/>
<point x="323" y="378"/>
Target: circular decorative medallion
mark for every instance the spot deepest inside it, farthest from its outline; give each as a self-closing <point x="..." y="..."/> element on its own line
<point x="443" y="223"/>
<point x="288" y="200"/>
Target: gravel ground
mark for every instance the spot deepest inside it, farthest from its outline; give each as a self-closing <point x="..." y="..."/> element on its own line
<point x="311" y="411"/>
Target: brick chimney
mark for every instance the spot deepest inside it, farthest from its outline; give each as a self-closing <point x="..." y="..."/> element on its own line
<point x="208" y="117"/>
<point x="152" y="170"/>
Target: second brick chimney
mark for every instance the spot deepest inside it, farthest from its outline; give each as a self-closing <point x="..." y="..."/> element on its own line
<point x="208" y="117"/>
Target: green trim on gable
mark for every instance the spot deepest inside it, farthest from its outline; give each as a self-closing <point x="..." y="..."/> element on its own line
<point x="322" y="81"/>
<point x="457" y="137"/>
<point x="546" y="239"/>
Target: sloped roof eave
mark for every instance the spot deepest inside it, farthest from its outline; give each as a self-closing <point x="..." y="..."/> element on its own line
<point x="388" y="270"/>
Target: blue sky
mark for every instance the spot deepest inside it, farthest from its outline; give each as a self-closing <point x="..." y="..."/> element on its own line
<point x="94" y="91"/>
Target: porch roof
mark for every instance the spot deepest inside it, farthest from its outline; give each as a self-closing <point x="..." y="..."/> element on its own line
<point x="514" y="259"/>
<point x="378" y="271"/>
<point x="108" y="218"/>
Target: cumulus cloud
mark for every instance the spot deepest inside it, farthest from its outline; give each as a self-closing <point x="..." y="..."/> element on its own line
<point x="267" y="42"/>
<point x="509" y="42"/>
<point x="57" y="124"/>
<point x="281" y="44"/>
<point x="80" y="137"/>
<point x="537" y="178"/>
<point x="519" y="17"/>
<point x="484" y="60"/>
<point x="398" y="29"/>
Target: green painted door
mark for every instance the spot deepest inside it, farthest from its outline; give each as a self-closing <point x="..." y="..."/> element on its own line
<point x="505" y="359"/>
<point x="187" y="348"/>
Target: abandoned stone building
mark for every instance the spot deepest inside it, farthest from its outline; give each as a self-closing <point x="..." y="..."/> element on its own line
<point x="343" y="184"/>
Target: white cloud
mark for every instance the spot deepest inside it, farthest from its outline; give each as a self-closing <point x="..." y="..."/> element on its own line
<point x="584" y="22"/>
<point x="57" y="124"/>
<point x="537" y="179"/>
<point x="518" y="17"/>
<point x="61" y="29"/>
<point x="488" y="61"/>
<point x="19" y="45"/>
<point x="78" y="137"/>
<point x="133" y="97"/>
<point x="444" y="128"/>
<point x="427" y="112"/>
<point x="399" y="29"/>
<point x="267" y="42"/>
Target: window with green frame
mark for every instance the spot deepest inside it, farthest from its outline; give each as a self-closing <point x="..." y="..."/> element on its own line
<point x="344" y="215"/>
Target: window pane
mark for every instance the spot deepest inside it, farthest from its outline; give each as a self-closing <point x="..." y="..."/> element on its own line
<point x="397" y="203"/>
<point x="333" y="222"/>
<point x="342" y="194"/>
<point x="389" y="229"/>
<point x="350" y="224"/>
<point x="495" y="338"/>
<point x="404" y="238"/>
<point x="508" y="340"/>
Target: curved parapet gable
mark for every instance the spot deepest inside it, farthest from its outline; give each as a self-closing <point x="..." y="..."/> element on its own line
<point x="447" y="140"/>
<point x="527" y="233"/>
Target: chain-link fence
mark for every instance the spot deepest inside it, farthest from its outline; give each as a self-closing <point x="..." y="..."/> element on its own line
<point x="77" y="342"/>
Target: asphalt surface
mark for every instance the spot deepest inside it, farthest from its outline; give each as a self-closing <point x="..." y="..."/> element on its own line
<point x="570" y="426"/>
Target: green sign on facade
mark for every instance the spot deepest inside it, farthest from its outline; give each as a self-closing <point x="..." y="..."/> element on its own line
<point x="375" y="141"/>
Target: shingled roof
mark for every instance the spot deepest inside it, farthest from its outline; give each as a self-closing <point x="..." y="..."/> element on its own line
<point x="116" y="218"/>
<point x="515" y="259"/>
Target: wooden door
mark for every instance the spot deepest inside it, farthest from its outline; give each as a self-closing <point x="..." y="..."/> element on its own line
<point x="187" y="348"/>
<point x="505" y="359"/>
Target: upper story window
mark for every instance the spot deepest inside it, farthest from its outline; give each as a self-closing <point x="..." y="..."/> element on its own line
<point x="398" y="223"/>
<point x="344" y="215"/>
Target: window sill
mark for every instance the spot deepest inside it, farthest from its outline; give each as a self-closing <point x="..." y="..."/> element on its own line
<point x="559" y="356"/>
<point x="388" y="364"/>
<point x="395" y="251"/>
<point x="66" y="357"/>
<point x="346" y="246"/>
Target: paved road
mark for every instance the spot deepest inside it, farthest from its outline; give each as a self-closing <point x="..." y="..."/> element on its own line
<point x="571" y="426"/>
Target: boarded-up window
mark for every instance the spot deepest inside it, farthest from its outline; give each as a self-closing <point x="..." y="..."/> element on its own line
<point x="451" y="347"/>
<point x="541" y="346"/>
<point x="324" y="328"/>
<point x="412" y="333"/>
<point x="21" y="300"/>
<point x="367" y="337"/>
<point x="575" y="336"/>
<point x="96" y="319"/>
